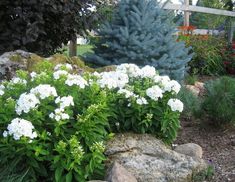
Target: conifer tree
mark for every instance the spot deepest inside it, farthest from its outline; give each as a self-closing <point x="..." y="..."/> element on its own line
<point x="141" y="32"/>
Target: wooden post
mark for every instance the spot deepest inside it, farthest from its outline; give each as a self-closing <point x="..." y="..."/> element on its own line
<point x="186" y="13"/>
<point x="73" y="46"/>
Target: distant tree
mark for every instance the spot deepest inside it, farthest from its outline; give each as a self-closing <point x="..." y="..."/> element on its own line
<point x="42" y="26"/>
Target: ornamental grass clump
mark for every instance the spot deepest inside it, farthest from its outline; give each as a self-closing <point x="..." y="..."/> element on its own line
<point x="54" y="124"/>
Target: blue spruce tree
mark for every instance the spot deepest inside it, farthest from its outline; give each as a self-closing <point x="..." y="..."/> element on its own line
<point x="141" y="32"/>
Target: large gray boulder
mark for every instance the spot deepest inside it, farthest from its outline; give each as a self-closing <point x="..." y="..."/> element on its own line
<point x="150" y="160"/>
<point x="10" y="62"/>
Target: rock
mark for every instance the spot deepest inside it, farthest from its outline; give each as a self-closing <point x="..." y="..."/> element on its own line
<point x="193" y="89"/>
<point x="117" y="173"/>
<point x="10" y="62"/>
<point x="150" y="160"/>
<point x="190" y="149"/>
<point x="96" y="181"/>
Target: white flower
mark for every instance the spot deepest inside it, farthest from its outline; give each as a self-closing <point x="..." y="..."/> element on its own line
<point x="2" y="87"/>
<point x="161" y="79"/>
<point x="154" y="92"/>
<point x="26" y="102"/>
<point x="92" y="8"/>
<point x="43" y="91"/>
<point x="33" y="75"/>
<point x="76" y="80"/>
<point x="126" y="92"/>
<point x="141" y="101"/>
<point x="131" y="70"/>
<point x="171" y="86"/>
<point x="64" y="101"/>
<point x="20" y="128"/>
<point x="148" y="72"/>
<point x="17" y="80"/>
<point x="5" y="134"/>
<point x="59" y="73"/>
<point x="113" y="79"/>
<point x="59" y="115"/>
<point x="96" y="74"/>
<point x="176" y="105"/>
<point x="63" y="66"/>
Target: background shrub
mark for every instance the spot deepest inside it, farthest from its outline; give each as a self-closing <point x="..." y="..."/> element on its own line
<point x="208" y="58"/>
<point x="141" y="33"/>
<point x="219" y="101"/>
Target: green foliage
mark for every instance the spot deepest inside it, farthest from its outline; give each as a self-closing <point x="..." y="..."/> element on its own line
<point x="207" y="174"/>
<point x="141" y="33"/>
<point x="208" y="58"/>
<point x="64" y="150"/>
<point x="192" y="103"/>
<point x="54" y="123"/>
<point x="191" y="79"/>
<point x="219" y="101"/>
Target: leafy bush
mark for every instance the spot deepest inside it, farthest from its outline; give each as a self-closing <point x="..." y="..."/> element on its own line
<point x="54" y="123"/>
<point x="42" y="26"/>
<point x="146" y="102"/>
<point x="208" y="58"/>
<point x="141" y="32"/>
<point x="52" y="130"/>
<point x="219" y="101"/>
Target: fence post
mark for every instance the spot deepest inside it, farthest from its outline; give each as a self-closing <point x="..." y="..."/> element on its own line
<point x="186" y="13"/>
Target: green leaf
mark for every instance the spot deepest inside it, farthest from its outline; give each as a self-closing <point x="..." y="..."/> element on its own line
<point x="58" y="173"/>
<point x="69" y="176"/>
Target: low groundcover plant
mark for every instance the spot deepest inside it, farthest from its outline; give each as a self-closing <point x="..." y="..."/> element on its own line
<point x="54" y="124"/>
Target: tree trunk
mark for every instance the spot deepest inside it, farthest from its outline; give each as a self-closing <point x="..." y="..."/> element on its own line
<point x="73" y="47"/>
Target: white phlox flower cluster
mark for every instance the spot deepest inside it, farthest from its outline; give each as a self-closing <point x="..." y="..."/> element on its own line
<point x="20" y="128"/>
<point x="127" y="93"/>
<point x="63" y="66"/>
<point x="141" y="101"/>
<point x="176" y="105"/>
<point x="43" y="91"/>
<point x="134" y="71"/>
<point x="17" y="80"/>
<point x="59" y="73"/>
<point x="33" y="75"/>
<point x="26" y="102"/>
<point x="113" y="79"/>
<point x="131" y="70"/>
<point x="171" y="86"/>
<point x="148" y="72"/>
<point x="64" y="101"/>
<point x="2" y="87"/>
<point x="154" y="92"/>
<point x="76" y="80"/>
<point x="59" y="113"/>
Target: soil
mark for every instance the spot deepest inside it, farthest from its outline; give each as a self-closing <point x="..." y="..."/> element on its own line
<point x="218" y="146"/>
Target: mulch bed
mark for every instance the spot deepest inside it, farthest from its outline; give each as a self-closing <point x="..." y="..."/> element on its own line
<point x="218" y="146"/>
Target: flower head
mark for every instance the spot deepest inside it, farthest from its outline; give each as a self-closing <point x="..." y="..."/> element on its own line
<point x="176" y="105"/>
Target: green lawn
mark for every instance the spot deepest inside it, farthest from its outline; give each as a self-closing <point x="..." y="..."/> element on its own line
<point x="81" y="49"/>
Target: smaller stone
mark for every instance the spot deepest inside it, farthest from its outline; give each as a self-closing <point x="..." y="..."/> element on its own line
<point x="193" y="89"/>
<point x="199" y="85"/>
<point x="117" y="173"/>
<point x="190" y="149"/>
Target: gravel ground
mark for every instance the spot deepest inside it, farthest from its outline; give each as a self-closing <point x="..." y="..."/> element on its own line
<point x="218" y="147"/>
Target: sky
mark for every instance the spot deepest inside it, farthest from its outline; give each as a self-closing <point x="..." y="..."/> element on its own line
<point x="179" y="1"/>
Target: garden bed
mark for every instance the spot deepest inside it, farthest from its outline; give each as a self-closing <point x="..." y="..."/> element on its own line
<point x="218" y="147"/>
